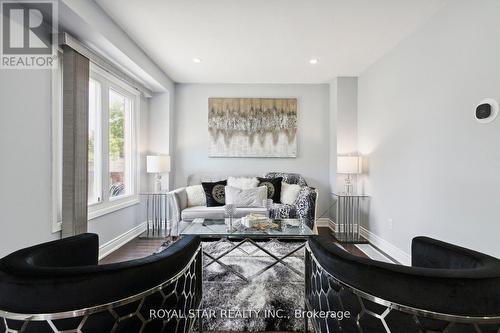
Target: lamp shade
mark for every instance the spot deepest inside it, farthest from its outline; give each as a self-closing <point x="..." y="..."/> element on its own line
<point x="157" y="164"/>
<point x="348" y="164"/>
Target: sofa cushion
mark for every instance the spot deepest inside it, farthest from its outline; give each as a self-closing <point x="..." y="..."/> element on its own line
<point x="214" y="193"/>
<point x="273" y="187"/>
<point x="289" y="193"/>
<point x="198" y="178"/>
<point x="290" y="178"/>
<point x="252" y="197"/>
<point x="192" y="213"/>
<point x="243" y="183"/>
<point x="195" y="196"/>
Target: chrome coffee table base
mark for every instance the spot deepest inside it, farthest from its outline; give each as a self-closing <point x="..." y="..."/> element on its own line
<point x="277" y="260"/>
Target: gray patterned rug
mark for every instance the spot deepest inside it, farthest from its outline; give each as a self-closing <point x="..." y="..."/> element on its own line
<point x="278" y="291"/>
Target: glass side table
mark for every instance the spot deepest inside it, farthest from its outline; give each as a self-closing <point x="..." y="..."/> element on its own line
<point x="351" y="210"/>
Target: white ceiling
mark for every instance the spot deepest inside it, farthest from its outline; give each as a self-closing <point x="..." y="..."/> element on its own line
<point x="267" y="41"/>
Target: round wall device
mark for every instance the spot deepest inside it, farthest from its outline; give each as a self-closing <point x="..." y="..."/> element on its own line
<point x="486" y="111"/>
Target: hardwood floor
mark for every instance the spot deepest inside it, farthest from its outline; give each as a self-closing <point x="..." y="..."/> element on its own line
<point x="135" y="249"/>
<point x="351" y="248"/>
<point x="139" y="248"/>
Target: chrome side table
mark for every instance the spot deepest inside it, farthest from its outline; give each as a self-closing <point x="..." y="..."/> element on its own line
<point x="156" y="215"/>
<point x="351" y="210"/>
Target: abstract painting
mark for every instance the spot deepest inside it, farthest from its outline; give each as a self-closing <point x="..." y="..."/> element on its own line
<point x="252" y="127"/>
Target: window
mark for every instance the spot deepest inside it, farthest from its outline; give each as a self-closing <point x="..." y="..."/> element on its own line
<point x="112" y="155"/>
<point x="119" y="144"/>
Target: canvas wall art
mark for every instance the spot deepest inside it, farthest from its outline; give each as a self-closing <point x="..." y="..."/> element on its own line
<point x="252" y="127"/>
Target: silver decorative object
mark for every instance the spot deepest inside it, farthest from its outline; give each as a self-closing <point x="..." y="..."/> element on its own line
<point x="268" y="204"/>
<point x="230" y="210"/>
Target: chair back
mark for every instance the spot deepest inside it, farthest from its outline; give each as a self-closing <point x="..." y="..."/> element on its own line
<point x="383" y="298"/>
<point x="58" y="286"/>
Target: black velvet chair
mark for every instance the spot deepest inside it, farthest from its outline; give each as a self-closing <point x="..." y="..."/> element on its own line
<point x="447" y="289"/>
<point x="59" y="286"/>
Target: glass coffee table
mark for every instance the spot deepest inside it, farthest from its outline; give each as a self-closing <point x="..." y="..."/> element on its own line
<point x="289" y="229"/>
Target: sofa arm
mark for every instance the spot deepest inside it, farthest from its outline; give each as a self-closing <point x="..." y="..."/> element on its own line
<point x="305" y="205"/>
<point x="177" y="200"/>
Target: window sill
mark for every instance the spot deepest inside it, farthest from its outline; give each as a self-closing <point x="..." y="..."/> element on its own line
<point x="98" y="210"/>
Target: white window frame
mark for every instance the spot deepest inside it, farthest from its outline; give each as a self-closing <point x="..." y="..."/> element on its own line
<point x="108" y="204"/>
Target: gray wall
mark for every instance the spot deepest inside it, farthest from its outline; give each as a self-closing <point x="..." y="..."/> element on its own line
<point x="25" y="159"/>
<point x="333" y="135"/>
<point x="432" y="168"/>
<point x="346" y="111"/>
<point x="114" y="224"/>
<point x="191" y="134"/>
<point x="347" y="115"/>
<point x="160" y="131"/>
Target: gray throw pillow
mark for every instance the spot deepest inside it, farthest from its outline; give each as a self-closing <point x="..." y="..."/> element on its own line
<point x="253" y="197"/>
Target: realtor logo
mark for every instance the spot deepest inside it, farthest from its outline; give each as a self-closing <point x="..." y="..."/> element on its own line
<point x="29" y="30"/>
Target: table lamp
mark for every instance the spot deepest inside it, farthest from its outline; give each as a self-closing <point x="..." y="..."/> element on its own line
<point x="349" y="165"/>
<point x="157" y="164"/>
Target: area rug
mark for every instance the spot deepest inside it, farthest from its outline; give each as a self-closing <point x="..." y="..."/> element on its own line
<point x="267" y="302"/>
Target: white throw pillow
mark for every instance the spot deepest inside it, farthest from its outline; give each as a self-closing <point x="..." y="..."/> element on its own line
<point x="196" y="196"/>
<point x="253" y="197"/>
<point x="243" y="183"/>
<point x="289" y="193"/>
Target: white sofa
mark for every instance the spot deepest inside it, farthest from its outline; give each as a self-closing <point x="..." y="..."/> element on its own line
<point x="304" y="207"/>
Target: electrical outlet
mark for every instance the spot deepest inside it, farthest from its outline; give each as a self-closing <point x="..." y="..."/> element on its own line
<point x="390" y="223"/>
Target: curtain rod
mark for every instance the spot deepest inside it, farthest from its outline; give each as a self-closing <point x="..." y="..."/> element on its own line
<point x="66" y="39"/>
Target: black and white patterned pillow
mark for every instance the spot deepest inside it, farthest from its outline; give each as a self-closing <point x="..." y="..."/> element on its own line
<point x="290" y="178"/>
<point x="273" y="187"/>
<point x="214" y="192"/>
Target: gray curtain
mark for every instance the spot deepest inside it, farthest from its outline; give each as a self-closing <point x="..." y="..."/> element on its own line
<point x="75" y="140"/>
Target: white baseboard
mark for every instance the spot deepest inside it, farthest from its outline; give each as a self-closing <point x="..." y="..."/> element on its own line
<point x="323" y="222"/>
<point x="331" y="224"/>
<point x="388" y="248"/>
<point x="117" y="242"/>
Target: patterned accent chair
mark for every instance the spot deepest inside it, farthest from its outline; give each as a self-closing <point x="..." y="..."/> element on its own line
<point x="58" y="286"/>
<point x="447" y="289"/>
